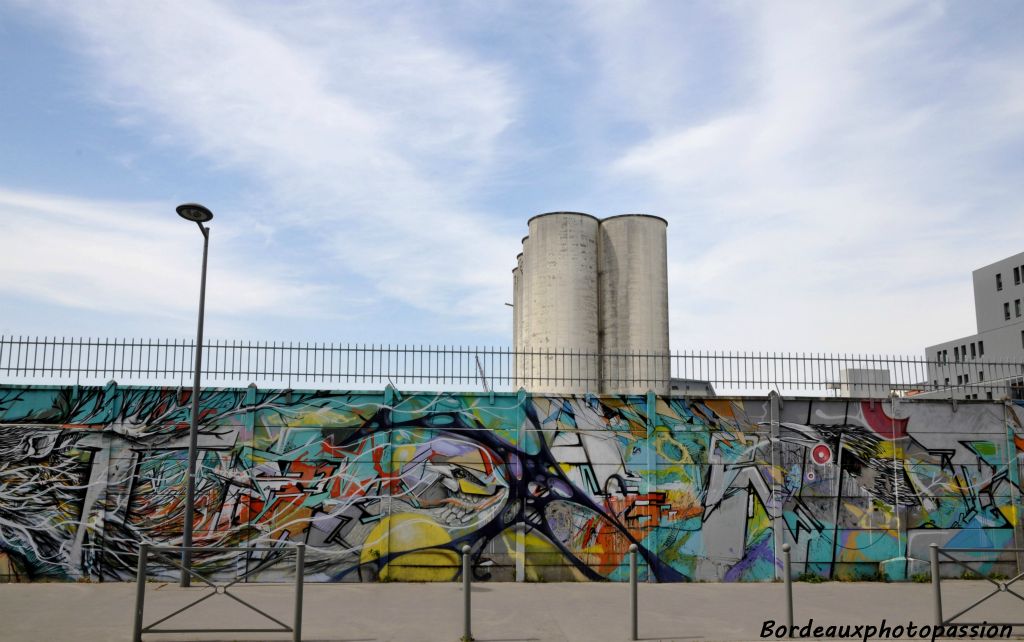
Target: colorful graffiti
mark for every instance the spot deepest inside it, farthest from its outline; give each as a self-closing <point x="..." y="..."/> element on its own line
<point x="385" y="486"/>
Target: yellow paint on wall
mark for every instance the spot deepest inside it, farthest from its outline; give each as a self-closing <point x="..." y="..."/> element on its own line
<point x="889" y="449"/>
<point x="417" y="534"/>
<point x="684" y="457"/>
<point x="1009" y="511"/>
<point x="320" y="417"/>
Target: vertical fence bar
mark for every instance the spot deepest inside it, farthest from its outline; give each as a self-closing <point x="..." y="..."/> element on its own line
<point x="633" y="628"/>
<point x="787" y="578"/>
<point x="300" y="577"/>
<point x="936" y="580"/>
<point x="140" y="591"/>
<point x="467" y="629"/>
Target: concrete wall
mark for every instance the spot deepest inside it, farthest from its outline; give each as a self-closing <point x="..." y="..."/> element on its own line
<point x="389" y="485"/>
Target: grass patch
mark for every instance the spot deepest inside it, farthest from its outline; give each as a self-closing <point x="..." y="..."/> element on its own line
<point x="810" y="578"/>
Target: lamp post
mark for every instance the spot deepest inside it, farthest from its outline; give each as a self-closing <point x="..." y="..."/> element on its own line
<point x="198" y="215"/>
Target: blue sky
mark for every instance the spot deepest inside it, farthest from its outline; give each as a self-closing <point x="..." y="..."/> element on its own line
<point x="831" y="172"/>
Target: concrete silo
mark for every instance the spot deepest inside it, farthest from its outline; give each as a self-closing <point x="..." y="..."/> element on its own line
<point x="633" y="277"/>
<point x="559" y="318"/>
<point x="517" y="313"/>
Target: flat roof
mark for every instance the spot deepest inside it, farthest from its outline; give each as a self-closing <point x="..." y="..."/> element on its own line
<point x="641" y="215"/>
<point x="569" y="213"/>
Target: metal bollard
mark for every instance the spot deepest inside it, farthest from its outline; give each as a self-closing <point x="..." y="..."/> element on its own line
<point x="936" y="579"/>
<point x="140" y="591"/>
<point x="632" y="593"/>
<point x="300" y="578"/>
<point x="467" y="631"/>
<point x="787" y="578"/>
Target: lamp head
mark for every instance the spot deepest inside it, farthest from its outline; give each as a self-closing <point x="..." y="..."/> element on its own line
<point x="194" y="212"/>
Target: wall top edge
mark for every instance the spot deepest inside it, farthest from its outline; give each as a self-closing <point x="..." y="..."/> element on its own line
<point x="512" y="394"/>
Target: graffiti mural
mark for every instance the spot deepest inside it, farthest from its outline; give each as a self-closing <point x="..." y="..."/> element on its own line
<point x="389" y="486"/>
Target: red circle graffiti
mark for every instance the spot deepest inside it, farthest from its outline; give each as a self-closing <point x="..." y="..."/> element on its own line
<point x="821" y="454"/>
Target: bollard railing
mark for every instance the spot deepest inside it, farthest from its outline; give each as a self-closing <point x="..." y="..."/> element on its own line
<point x="633" y="606"/>
<point x="467" y="604"/>
<point x="1001" y="586"/>
<point x="787" y="578"/>
<point x="146" y="550"/>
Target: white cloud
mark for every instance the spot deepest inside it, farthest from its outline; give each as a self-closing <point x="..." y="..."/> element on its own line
<point x="845" y="200"/>
<point x="134" y="259"/>
<point x="366" y="132"/>
<point x="831" y="172"/>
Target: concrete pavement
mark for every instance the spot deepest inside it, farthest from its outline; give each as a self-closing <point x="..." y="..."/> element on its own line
<point x="503" y="612"/>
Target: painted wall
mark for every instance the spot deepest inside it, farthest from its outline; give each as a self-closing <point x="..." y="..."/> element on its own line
<point x="387" y="486"/>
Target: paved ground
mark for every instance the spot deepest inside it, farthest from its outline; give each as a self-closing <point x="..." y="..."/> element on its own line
<point x="501" y="612"/>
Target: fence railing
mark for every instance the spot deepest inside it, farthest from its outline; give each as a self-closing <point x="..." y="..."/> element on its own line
<point x="274" y="555"/>
<point x="1001" y="585"/>
<point x="307" y="364"/>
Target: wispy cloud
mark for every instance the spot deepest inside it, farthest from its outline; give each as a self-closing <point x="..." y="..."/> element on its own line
<point x="831" y="172"/>
<point x="364" y="130"/>
<point x="845" y="198"/>
<point x="132" y="259"/>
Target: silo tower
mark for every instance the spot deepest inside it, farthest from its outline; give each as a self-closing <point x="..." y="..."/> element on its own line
<point x="591" y="305"/>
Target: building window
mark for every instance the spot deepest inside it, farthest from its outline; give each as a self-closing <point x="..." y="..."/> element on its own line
<point x="947" y="382"/>
<point x="959" y="380"/>
<point x="1022" y="338"/>
<point x="1016" y="306"/>
<point x="981" y="375"/>
<point x="988" y="395"/>
<point x="967" y="378"/>
<point x="981" y="348"/>
<point x="1006" y="310"/>
<point x="1016" y="276"/>
<point x="999" y="282"/>
<point x="974" y="353"/>
<point x="956" y="353"/>
<point x="963" y="351"/>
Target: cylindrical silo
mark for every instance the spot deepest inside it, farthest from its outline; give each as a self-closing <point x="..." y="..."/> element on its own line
<point x="524" y="315"/>
<point x="634" y="305"/>
<point x="517" y="310"/>
<point x="560" y="292"/>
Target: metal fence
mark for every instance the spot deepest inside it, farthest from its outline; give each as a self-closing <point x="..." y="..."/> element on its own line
<point x="1001" y="585"/>
<point x="273" y="555"/>
<point x="372" y="366"/>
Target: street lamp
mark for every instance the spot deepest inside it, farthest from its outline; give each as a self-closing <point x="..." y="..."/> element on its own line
<point x="198" y="215"/>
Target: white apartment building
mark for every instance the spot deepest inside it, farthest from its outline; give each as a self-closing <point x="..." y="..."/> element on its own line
<point x="986" y="364"/>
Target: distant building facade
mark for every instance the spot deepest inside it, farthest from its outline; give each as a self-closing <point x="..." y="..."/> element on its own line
<point x="999" y="310"/>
